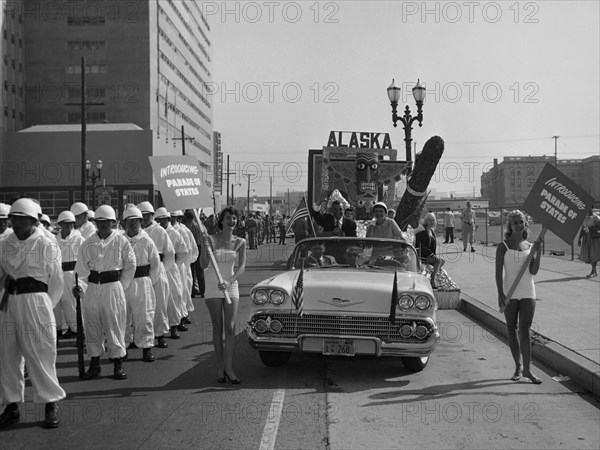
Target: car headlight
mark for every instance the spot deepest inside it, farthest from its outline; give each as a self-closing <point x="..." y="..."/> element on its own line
<point x="260" y="297"/>
<point x="422" y="302"/>
<point x="277" y="297"/>
<point x="405" y="302"/>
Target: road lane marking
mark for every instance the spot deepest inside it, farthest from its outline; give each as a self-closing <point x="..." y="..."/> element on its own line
<point x="270" y="432"/>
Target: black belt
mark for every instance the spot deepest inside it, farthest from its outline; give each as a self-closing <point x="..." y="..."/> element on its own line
<point x="69" y="265"/>
<point x="142" y="271"/>
<point x="110" y="276"/>
<point x="26" y="285"/>
<point x="162" y="256"/>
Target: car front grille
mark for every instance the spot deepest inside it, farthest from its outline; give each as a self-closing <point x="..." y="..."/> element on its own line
<point x="313" y="324"/>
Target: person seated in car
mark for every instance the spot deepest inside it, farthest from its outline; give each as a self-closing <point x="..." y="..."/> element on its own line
<point x="317" y="257"/>
<point x="400" y="258"/>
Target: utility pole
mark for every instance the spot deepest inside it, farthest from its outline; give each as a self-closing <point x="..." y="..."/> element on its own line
<point x="183" y="139"/>
<point x="248" y="198"/>
<point x="83" y="104"/>
<point x="227" y="174"/>
<point x="288" y="202"/>
<point x="270" y="197"/>
<point x="555" y="151"/>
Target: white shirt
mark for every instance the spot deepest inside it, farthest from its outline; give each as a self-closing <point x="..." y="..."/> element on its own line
<point x="86" y="229"/>
<point x="69" y="246"/>
<point x="163" y="243"/>
<point x="37" y="257"/>
<point x="102" y="255"/>
<point x="145" y="253"/>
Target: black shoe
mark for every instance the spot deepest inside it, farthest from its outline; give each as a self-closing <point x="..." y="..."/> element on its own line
<point x="465" y="249"/>
<point x="161" y="342"/>
<point x="69" y="334"/>
<point x="174" y="333"/>
<point x="94" y="370"/>
<point x="148" y="356"/>
<point x="472" y="249"/>
<point x="182" y="327"/>
<point x="186" y="320"/>
<point x="232" y="380"/>
<point x="119" y="373"/>
<point x="51" y="420"/>
<point x="11" y="415"/>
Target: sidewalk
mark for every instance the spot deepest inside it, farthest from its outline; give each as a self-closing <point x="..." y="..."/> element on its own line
<point x="567" y="312"/>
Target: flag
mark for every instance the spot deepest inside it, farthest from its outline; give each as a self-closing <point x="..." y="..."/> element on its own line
<point x="394" y="301"/>
<point x="301" y="212"/>
<point x="298" y="293"/>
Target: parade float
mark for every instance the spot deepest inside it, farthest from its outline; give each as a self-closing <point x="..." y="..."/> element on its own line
<point x="360" y="169"/>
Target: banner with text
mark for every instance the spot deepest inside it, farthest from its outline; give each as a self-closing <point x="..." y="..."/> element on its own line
<point x="558" y="203"/>
<point x="179" y="182"/>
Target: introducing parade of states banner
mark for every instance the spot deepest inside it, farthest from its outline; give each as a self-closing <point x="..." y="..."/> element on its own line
<point x="179" y="182"/>
<point x="558" y="203"/>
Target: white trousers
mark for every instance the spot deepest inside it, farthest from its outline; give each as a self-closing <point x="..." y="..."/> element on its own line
<point x="141" y="303"/>
<point x="161" y="292"/>
<point x="28" y="336"/>
<point x="104" y="315"/>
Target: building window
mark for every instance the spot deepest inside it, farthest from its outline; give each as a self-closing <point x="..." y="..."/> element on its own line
<point x="90" y="68"/>
<point x="86" y="45"/>
<point x="85" y="21"/>
<point x="95" y="116"/>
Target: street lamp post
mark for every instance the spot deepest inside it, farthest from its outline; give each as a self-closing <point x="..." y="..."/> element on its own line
<point x="93" y="177"/>
<point x="407" y="120"/>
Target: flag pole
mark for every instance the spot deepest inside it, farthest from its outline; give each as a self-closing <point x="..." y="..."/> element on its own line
<point x="211" y="254"/>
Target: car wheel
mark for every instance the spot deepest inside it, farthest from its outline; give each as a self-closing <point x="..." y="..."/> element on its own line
<point x="274" y="359"/>
<point x="415" y="364"/>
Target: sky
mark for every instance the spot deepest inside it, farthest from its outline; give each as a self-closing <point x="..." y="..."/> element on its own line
<point x="502" y="78"/>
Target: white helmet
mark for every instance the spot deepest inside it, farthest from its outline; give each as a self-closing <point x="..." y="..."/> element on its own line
<point x="25" y="207"/>
<point x="78" y="208"/>
<point x="177" y="213"/>
<point x="132" y="213"/>
<point x="45" y="218"/>
<point x="105" y="212"/>
<point x="66" y="216"/>
<point x="146" y="207"/>
<point x="161" y="213"/>
<point x="90" y="214"/>
<point x="4" y="210"/>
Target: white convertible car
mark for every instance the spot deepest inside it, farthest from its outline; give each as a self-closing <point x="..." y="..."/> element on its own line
<point x="346" y="297"/>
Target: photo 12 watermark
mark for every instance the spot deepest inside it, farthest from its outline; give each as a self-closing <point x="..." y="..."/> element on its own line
<point x="471" y="12"/>
<point x="272" y="12"/>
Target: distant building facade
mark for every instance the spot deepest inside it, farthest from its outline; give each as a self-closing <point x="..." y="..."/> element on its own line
<point x="508" y="183"/>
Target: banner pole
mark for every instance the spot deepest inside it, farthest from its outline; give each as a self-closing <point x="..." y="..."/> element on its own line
<point x="211" y="255"/>
<point x="512" y="289"/>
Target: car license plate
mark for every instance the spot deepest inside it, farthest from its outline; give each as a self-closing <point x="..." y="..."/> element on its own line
<point x="339" y="347"/>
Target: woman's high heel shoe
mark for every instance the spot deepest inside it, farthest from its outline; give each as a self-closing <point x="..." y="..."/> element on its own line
<point x="232" y="380"/>
<point x="221" y="380"/>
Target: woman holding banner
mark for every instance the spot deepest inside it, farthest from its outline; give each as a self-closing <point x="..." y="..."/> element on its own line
<point x="589" y="241"/>
<point x="510" y="256"/>
<point x="226" y="248"/>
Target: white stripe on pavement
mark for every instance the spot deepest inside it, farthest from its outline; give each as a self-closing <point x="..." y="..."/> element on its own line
<point x="270" y="432"/>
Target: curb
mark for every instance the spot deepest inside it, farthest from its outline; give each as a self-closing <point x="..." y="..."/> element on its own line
<point x="584" y="372"/>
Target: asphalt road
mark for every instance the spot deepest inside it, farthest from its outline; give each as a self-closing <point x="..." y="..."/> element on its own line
<point x="463" y="398"/>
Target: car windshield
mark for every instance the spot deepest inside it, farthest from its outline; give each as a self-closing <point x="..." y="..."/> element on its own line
<point x="364" y="254"/>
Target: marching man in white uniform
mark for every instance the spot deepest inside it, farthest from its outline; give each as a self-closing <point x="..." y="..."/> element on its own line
<point x="141" y="301"/>
<point x="161" y="286"/>
<point x="186" y="266"/>
<point x="5" y="230"/>
<point x="30" y="269"/>
<point x="175" y="307"/>
<point x="82" y="224"/>
<point x="69" y="240"/>
<point x="107" y="260"/>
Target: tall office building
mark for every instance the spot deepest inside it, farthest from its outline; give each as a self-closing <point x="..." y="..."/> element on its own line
<point x="11" y="67"/>
<point x="147" y="65"/>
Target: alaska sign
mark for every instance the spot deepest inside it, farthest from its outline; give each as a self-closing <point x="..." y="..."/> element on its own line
<point x="358" y="139"/>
